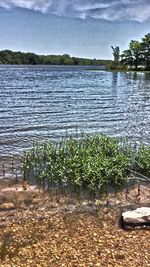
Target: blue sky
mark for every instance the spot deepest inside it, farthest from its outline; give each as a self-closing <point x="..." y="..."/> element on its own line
<point x="84" y="28"/>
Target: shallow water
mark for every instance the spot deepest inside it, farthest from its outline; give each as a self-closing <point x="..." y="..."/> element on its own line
<point x="42" y="102"/>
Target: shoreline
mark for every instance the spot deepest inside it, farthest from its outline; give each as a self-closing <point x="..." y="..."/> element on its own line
<point x="49" y="229"/>
<point x="86" y="67"/>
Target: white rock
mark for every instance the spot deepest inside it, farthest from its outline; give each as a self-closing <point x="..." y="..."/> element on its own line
<point x="137" y="217"/>
<point x="7" y="206"/>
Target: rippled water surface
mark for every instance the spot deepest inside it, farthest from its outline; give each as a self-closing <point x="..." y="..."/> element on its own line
<point x="42" y="102"/>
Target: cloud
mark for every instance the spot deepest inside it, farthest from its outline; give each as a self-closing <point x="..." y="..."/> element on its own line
<point x="136" y="10"/>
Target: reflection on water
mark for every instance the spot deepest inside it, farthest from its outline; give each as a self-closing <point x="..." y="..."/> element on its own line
<point x="42" y="102"/>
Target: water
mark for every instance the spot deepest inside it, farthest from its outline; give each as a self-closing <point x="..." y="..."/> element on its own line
<point x="42" y="102"/>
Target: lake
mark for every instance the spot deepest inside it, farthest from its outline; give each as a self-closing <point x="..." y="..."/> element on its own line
<point x="40" y="102"/>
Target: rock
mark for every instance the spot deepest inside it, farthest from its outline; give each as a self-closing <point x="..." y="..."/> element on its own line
<point x="36" y="201"/>
<point x="137" y="217"/>
<point x="3" y="198"/>
<point x="68" y="208"/>
<point x="7" y="206"/>
<point x="53" y="205"/>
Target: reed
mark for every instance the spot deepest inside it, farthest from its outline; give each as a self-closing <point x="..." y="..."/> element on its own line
<point x="142" y="160"/>
<point x="93" y="163"/>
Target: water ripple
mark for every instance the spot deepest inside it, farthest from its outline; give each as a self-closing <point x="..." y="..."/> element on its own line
<point x="42" y="102"/>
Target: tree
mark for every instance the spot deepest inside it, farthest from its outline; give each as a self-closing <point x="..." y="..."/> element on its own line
<point x="133" y="55"/>
<point x="145" y="47"/>
<point x="10" y="57"/>
<point x="135" y="47"/>
<point x="126" y="58"/>
<point x="66" y="60"/>
<point x="116" y="54"/>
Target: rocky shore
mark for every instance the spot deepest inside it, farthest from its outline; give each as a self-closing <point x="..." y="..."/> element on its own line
<point x="50" y="229"/>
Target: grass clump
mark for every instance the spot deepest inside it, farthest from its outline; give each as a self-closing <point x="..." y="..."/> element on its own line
<point x="93" y="163"/>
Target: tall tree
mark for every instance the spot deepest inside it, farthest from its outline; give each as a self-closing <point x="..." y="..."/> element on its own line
<point x="127" y="58"/>
<point x="135" y="47"/>
<point x="132" y="56"/>
<point x="116" y="54"/>
<point x="146" y="50"/>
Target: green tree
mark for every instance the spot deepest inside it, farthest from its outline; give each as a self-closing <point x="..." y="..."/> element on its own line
<point x="66" y="60"/>
<point x="127" y="58"/>
<point x="145" y="47"/>
<point x="135" y="47"/>
<point x="133" y="55"/>
<point x="10" y="57"/>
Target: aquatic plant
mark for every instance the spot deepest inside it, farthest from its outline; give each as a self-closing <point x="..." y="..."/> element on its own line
<point x="93" y="163"/>
<point x="142" y="160"/>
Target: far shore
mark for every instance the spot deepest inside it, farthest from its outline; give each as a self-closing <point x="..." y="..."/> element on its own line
<point x="86" y="67"/>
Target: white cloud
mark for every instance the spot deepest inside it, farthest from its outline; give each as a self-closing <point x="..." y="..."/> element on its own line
<point x="37" y="5"/>
<point x="138" y="10"/>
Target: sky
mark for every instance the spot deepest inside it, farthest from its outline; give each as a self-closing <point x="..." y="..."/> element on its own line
<point x="82" y="28"/>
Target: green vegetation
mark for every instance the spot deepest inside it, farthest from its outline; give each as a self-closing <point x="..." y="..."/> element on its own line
<point x="10" y="57"/>
<point x="94" y="163"/>
<point x="143" y="160"/>
<point x="136" y="57"/>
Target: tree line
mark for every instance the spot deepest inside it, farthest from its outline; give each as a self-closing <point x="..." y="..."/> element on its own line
<point x="10" y="57"/>
<point x="137" y="56"/>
